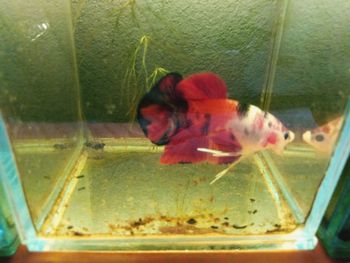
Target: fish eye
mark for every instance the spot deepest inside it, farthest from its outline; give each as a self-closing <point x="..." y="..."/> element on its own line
<point x="286" y="135"/>
<point x="319" y="137"/>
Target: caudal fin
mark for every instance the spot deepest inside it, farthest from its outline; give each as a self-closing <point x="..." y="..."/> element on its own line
<point x="162" y="112"/>
<point x="155" y="112"/>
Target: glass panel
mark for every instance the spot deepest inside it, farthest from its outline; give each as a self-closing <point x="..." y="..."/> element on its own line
<point x="39" y="96"/>
<point x="310" y="91"/>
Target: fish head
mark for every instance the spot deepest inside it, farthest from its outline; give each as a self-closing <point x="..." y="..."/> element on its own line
<point x="317" y="139"/>
<point x="277" y="135"/>
<point x="284" y="138"/>
<point x="324" y="137"/>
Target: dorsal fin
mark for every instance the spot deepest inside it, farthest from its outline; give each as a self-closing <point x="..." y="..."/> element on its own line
<point x="202" y="86"/>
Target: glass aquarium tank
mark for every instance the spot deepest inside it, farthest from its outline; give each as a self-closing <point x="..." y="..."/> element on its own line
<point x="132" y="125"/>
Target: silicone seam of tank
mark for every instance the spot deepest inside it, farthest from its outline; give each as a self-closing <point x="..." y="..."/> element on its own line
<point x="59" y="187"/>
<point x="277" y="33"/>
<point x="291" y="201"/>
<point x="334" y="170"/>
<point x="59" y="204"/>
<point x="70" y="29"/>
<point x="271" y="185"/>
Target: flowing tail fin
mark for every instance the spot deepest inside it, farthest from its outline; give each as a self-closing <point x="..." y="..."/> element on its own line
<point x="187" y="115"/>
<point x="161" y="110"/>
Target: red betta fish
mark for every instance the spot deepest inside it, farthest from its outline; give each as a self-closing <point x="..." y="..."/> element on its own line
<point x="196" y="122"/>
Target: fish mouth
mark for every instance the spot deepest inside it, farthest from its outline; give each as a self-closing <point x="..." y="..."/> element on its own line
<point x="307" y="136"/>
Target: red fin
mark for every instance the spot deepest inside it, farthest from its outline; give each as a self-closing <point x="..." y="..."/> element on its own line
<point x="185" y="151"/>
<point x="226" y="142"/>
<point x="183" y="148"/>
<point x="202" y="86"/>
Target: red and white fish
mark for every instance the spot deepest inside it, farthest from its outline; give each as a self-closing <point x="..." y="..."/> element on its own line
<point x="323" y="138"/>
<point x="196" y="122"/>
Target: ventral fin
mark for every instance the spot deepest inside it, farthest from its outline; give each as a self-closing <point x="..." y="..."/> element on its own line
<point x="182" y="149"/>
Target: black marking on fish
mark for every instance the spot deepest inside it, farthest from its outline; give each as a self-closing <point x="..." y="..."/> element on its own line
<point x="181" y="121"/>
<point x="214" y="227"/>
<point x="81" y="188"/>
<point x="80" y="176"/>
<point x="269" y="124"/>
<point x="246" y="132"/>
<point x="242" y="109"/>
<point x="233" y="138"/>
<point x="163" y="140"/>
<point x="143" y="124"/>
<point x="205" y="127"/>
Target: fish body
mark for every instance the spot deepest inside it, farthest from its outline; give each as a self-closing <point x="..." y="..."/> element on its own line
<point x="196" y="122"/>
<point x="323" y="138"/>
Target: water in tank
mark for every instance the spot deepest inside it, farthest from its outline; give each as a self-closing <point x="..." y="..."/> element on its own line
<point x="177" y="125"/>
